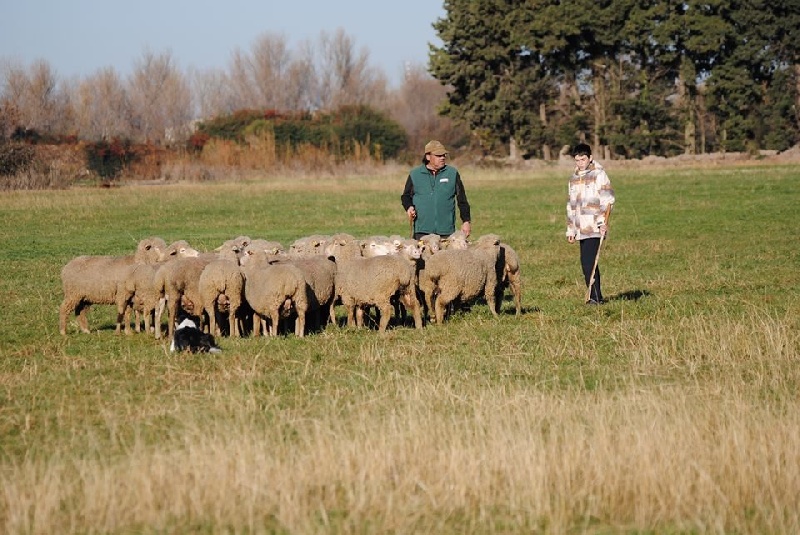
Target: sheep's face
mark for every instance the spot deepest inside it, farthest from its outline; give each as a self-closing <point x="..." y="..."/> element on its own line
<point x="431" y="243"/>
<point x="179" y="249"/>
<point x="149" y="250"/>
<point x="377" y="247"/>
<point x="412" y="249"/>
<point x="457" y="240"/>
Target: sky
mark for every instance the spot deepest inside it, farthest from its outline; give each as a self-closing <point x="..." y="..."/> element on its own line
<point x="79" y="37"/>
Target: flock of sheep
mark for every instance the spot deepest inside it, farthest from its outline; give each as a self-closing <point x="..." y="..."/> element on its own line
<point x="249" y="285"/>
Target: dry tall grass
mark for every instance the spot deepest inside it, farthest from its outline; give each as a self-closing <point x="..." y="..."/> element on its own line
<point x="698" y="431"/>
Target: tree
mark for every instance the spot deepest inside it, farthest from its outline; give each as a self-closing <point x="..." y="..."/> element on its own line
<point x="36" y="97"/>
<point x="344" y="76"/>
<point x="477" y="61"/>
<point x="160" y="100"/>
<point x="102" y="110"/>
<point x="413" y="105"/>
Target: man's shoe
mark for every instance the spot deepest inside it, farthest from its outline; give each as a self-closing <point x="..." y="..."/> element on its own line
<point x="592" y="302"/>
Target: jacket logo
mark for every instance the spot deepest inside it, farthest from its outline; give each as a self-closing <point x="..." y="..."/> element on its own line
<point x="444" y="180"/>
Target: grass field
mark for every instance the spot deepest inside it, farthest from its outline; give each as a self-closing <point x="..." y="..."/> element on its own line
<point x="673" y="408"/>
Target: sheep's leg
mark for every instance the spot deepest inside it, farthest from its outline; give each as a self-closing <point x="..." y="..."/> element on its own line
<point x="210" y="309"/>
<point x="440" y="306"/>
<point x="300" y="324"/>
<point x="385" y="310"/>
<point x="275" y="318"/>
<point x="256" y="324"/>
<point x="173" y="302"/>
<point x="351" y="315"/>
<point x="489" y="293"/>
<point x="516" y="289"/>
<point x="331" y="312"/>
<point x="233" y="324"/>
<point x="67" y="307"/>
<point x="162" y="303"/>
<point x="123" y="314"/>
<point x="409" y="300"/>
<point x="147" y="318"/>
<point x="137" y="321"/>
<point x="83" y="319"/>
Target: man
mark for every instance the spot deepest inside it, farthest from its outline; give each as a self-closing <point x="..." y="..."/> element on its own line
<point x="431" y="193"/>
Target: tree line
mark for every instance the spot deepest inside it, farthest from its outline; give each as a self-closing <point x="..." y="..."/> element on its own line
<point x="159" y="103"/>
<point x="525" y="78"/>
<point x="632" y="77"/>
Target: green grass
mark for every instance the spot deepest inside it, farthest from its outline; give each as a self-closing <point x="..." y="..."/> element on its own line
<point x="671" y="409"/>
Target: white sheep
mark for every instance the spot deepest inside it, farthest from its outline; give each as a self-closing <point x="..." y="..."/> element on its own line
<point x="376" y="246"/>
<point x="88" y="280"/>
<point x="462" y="274"/>
<point x="178" y="281"/>
<point x="362" y="282"/>
<point x="320" y="274"/>
<point x="221" y="286"/>
<point x="509" y="277"/>
<point x="456" y="240"/>
<point x="274" y="291"/>
<point x="140" y="285"/>
<point x="309" y="246"/>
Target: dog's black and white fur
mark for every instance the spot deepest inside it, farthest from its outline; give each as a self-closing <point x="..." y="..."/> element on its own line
<point x="189" y="338"/>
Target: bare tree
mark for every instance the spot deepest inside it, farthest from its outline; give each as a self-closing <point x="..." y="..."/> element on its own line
<point x="415" y="106"/>
<point x="212" y="93"/>
<point x="258" y="78"/>
<point x="101" y="107"/>
<point x="35" y="94"/>
<point x="301" y="82"/>
<point x="161" y="104"/>
<point x="345" y="77"/>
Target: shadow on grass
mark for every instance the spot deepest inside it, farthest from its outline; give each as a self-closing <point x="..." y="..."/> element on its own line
<point x="631" y="295"/>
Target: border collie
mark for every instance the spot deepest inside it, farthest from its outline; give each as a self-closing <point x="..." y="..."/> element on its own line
<point x="189" y="338"/>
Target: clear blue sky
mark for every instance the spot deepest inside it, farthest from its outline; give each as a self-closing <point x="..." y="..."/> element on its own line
<point x="78" y="37"/>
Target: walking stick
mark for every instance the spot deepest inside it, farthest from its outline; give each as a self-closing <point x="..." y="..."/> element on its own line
<point x="411" y="226"/>
<point x="597" y="256"/>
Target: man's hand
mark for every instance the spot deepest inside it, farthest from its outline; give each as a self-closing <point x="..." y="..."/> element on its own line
<point x="466" y="228"/>
<point x="412" y="212"/>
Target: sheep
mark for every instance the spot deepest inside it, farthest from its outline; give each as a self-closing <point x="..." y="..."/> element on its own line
<point x="140" y="285"/>
<point x="88" y="280"/>
<point x="431" y="244"/>
<point x="362" y="282"/>
<point x="273" y="290"/>
<point x="377" y="246"/>
<point x="179" y="282"/>
<point x="309" y="246"/>
<point x="269" y="247"/>
<point x="461" y="274"/>
<point x="320" y="275"/>
<point x="456" y="240"/>
<point x="509" y="276"/>
<point x="343" y="246"/>
<point x="222" y="281"/>
<point x="508" y="269"/>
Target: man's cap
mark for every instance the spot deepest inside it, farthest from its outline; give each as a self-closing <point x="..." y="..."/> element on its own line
<point x="435" y="147"/>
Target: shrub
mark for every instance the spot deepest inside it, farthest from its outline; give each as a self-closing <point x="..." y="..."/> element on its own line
<point x="344" y="132"/>
<point x="107" y="159"/>
<point x="15" y="158"/>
